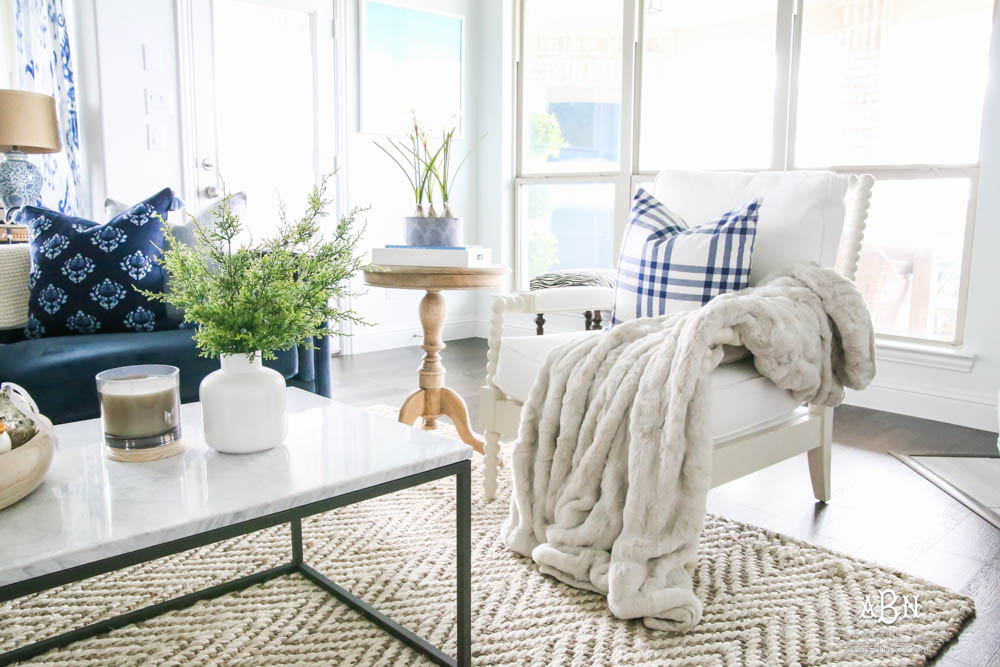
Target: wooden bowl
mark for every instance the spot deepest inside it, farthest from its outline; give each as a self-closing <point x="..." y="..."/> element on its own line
<point x="24" y="468"/>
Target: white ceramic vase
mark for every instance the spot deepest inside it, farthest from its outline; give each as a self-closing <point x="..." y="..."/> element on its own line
<point x="243" y="406"/>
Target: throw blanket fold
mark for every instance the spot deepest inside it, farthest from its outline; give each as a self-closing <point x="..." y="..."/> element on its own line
<point x="613" y="459"/>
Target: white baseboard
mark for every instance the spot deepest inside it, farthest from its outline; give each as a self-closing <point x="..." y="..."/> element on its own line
<point x="482" y="329"/>
<point x="974" y="410"/>
<point x="380" y="338"/>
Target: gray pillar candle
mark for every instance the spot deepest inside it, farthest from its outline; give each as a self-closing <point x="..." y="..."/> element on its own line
<point x="139" y="405"/>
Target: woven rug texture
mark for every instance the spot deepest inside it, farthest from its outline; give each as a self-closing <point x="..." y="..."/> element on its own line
<point x="769" y="600"/>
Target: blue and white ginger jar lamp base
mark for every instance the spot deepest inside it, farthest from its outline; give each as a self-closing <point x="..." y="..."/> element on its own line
<point x="20" y="181"/>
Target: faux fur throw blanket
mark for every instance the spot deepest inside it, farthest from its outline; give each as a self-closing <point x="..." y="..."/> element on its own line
<point x="613" y="459"/>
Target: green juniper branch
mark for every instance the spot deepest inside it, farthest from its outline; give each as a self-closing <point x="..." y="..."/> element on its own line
<point x="269" y="295"/>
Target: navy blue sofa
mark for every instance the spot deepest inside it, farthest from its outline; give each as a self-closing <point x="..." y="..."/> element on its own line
<point x="59" y="372"/>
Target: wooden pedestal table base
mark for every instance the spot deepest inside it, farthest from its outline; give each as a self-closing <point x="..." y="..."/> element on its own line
<point x="433" y="399"/>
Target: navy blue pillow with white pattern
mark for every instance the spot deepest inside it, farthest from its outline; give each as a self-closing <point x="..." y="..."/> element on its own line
<point x="666" y="266"/>
<point x="83" y="274"/>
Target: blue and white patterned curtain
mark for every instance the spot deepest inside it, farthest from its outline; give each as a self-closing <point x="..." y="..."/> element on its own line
<point x="45" y="66"/>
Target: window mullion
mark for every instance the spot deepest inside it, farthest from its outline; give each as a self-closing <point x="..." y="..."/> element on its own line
<point x="629" y="117"/>
<point x="795" y="51"/>
<point x="782" y="81"/>
<point x="519" y="88"/>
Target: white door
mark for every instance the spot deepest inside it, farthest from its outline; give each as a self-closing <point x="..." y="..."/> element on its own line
<point x="258" y="105"/>
<point x="261" y="113"/>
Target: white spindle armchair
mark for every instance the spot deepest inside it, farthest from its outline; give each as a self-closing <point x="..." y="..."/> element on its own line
<point x="806" y="215"/>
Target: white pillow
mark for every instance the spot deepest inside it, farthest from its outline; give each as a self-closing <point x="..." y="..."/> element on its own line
<point x="667" y="267"/>
<point x="113" y="207"/>
<point x="801" y="220"/>
<point x="183" y="228"/>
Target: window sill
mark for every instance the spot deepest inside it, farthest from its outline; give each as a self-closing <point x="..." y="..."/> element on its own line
<point x="928" y="356"/>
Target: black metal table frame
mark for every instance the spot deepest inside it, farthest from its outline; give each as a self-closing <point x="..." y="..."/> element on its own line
<point x="293" y="517"/>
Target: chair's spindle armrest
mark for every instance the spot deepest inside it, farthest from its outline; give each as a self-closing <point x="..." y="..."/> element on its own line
<point x="552" y="300"/>
<point x="511" y="303"/>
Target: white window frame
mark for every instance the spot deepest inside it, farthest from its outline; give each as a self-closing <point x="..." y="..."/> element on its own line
<point x="628" y="175"/>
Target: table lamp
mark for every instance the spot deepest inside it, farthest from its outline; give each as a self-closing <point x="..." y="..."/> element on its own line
<point x="27" y="125"/>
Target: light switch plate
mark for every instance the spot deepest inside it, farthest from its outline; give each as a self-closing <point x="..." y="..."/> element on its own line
<point x="152" y="57"/>
<point x="156" y="102"/>
<point x="154" y="136"/>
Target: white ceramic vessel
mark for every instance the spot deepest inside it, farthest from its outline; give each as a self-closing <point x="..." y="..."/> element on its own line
<point x="243" y="406"/>
<point x="23" y="469"/>
<point x="439" y="231"/>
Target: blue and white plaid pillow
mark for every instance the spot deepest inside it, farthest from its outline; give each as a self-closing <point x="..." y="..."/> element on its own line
<point x="666" y="267"/>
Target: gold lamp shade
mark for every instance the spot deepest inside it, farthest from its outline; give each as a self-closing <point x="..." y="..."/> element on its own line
<point x="28" y="122"/>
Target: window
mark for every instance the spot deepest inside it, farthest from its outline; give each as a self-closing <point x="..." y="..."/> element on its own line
<point x="569" y="145"/>
<point x="571" y="92"/>
<point x="568" y="225"/>
<point x="895" y="87"/>
<point x="721" y="53"/>
<point x="611" y="92"/>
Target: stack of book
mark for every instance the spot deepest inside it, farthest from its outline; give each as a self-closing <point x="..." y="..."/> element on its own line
<point x="462" y="257"/>
<point x="13" y="233"/>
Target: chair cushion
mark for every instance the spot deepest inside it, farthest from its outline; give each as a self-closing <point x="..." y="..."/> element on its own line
<point x="59" y="371"/>
<point x="801" y="218"/>
<point x="742" y="399"/>
<point x="667" y="266"/>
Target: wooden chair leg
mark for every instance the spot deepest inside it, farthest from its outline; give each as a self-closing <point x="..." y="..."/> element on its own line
<point x="539" y="324"/>
<point x="588" y="317"/>
<point x="492" y="462"/>
<point x="597" y="320"/>
<point x="819" y="458"/>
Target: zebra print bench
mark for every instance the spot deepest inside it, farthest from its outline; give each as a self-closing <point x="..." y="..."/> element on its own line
<point x="593" y="319"/>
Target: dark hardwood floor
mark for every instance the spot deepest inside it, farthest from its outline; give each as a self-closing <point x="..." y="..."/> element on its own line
<point x="880" y="510"/>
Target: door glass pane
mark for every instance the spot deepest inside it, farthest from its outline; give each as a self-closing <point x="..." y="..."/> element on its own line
<point x="707" y="84"/>
<point x="265" y="107"/>
<point x="892" y="81"/>
<point x="911" y="261"/>
<point x="571" y="70"/>
<point x="567" y="226"/>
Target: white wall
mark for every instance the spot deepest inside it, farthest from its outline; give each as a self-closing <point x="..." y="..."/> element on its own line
<point x="110" y="39"/>
<point x="373" y="180"/>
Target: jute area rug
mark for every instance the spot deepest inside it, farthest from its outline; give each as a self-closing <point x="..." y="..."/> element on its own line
<point x="768" y="600"/>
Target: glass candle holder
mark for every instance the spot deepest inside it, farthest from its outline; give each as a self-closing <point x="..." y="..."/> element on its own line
<point x="140" y="410"/>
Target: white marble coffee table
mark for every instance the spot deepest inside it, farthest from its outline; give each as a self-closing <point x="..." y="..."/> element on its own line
<point x="92" y="515"/>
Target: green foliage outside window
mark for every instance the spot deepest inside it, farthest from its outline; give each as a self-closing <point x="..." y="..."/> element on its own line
<point x="546" y="136"/>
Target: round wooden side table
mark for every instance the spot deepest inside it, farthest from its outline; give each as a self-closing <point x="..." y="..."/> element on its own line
<point x="433" y="399"/>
